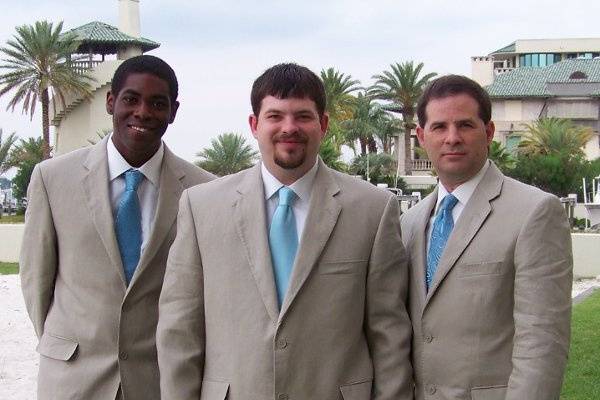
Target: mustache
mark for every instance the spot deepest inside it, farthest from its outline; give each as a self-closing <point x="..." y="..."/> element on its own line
<point x="296" y="137"/>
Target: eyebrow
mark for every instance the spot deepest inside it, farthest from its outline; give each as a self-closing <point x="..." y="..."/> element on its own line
<point x="136" y="93"/>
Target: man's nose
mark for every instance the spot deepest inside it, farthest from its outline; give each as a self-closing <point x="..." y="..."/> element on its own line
<point x="142" y="111"/>
<point x="453" y="135"/>
<point x="289" y="125"/>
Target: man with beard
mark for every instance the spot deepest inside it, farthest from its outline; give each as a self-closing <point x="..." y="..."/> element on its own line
<point x="287" y="280"/>
<point x="98" y="228"/>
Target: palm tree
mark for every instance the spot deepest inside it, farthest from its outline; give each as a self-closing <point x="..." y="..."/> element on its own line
<point x="339" y="102"/>
<point x="24" y="156"/>
<point x="362" y="126"/>
<point x="402" y="85"/>
<point x="5" y="148"/>
<point x="228" y="154"/>
<point x="554" y="136"/>
<point x="501" y="157"/>
<point x="38" y="65"/>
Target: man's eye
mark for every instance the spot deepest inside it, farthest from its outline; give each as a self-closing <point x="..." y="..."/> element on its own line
<point x="160" y="105"/>
<point x="129" y="99"/>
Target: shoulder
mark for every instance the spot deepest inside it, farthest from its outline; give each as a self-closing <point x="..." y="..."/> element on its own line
<point x="223" y="186"/>
<point x="194" y="175"/>
<point x="356" y="189"/>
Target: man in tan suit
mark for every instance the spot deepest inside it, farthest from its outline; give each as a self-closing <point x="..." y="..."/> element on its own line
<point x="237" y="323"/>
<point x="490" y="264"/>
<point x="93" y="310"/>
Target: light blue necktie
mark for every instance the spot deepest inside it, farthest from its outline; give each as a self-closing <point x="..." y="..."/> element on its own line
<point x="283" y="241"/>
<point x="442" y="226"/>
<point x="128" y="225"/>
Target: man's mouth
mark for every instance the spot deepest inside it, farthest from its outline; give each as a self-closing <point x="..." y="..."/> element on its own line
<point x="140" y="129"/>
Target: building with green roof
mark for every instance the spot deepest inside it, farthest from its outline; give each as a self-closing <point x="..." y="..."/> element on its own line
<point x="566" y="89"/>
<point x="102" y="48"/>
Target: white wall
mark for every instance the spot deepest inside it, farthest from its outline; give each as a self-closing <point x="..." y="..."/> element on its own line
<point x="10" y="241"/>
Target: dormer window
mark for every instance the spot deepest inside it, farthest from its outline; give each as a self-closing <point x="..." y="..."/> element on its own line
<point x="578" y="75"/>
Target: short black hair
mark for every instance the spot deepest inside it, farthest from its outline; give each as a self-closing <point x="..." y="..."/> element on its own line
<point x="145" y="64"/>
<point x="452" y="85"/>
<point x="288" y="80"/>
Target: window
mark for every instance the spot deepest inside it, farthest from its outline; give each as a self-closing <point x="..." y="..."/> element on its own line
<point x="550" y="59"/>
<point x="578" y="75"/>
<point x="543" y="60"/>
<point x="521" y="61"/>
<point x="528" y="60"/>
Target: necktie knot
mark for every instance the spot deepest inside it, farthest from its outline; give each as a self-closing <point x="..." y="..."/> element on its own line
<point x="448" y="202"/>
<point x="133" y="177"/>
<point x="286" y="196"/>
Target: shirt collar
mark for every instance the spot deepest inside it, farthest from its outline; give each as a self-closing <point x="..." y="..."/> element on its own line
<point x="117" y="165"/>
<point x="302" y="187"/>
<point x="464" y="191"/>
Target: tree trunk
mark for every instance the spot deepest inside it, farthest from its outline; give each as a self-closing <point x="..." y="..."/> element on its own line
<point x="372" y="145"/>
<point x="363" y="146"/>
<point x="408" y="127"/>
<point x="46" y="123"/>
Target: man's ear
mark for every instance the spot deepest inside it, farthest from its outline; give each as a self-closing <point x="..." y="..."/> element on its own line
<point x="324" y="122"/>
<point x="174" y="108"/>
<point x="253" y="122"/>
<point x="110" y="102"/>
<point x="420" y="135"/>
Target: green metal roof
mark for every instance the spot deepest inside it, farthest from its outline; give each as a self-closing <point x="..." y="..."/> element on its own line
<point x="101" y="38"/>
<point x="532" y="81"/>
<point x="511" y="48"/>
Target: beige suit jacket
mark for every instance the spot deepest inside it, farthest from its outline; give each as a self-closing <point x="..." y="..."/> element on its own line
<point x="94" y="332"/>
<point x="343" y="330"/>
<point x="495" y="323"/>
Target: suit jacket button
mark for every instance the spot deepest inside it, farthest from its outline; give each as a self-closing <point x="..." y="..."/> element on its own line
<point x="428" y="338"/>
<point x="282" y="343"/>
<point x="283" y="396"/>
<point x="123" y="355"/>
<point x="431" y="389"/>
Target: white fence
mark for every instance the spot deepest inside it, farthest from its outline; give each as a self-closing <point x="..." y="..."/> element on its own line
<point x="586" y="249"/>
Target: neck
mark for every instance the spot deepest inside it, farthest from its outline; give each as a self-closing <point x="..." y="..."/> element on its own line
<point x="291" y="175"/>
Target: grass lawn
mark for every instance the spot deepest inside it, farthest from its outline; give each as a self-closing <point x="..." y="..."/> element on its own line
<point x="583" y="371"/>
<point x="12" y="219"/>
<point x="9" y="268"/>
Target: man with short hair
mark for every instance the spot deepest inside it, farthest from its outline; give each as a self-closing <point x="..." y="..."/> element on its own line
<point x="490" y="264"/>
<point x="99" y="224"/>
<point x="287" y="280"/>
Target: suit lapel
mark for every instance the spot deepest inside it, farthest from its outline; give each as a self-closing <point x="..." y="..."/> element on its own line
<point x="472" y="218"/>
<point x="420" y="247"/>
<point x="250" y="219"/>
<point x="170" y="189"/>
<point x="95" y="186"/>
<point x="323" y="213"/>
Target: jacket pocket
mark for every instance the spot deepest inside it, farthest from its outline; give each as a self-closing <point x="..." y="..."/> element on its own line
<point x="484" y="268"/>
<point x="357" y="391"/>
<point x="341" y="267"/>
<point x="488" y="393"/>
<point x="213" y="390"/>
<point x="56" y="347"/>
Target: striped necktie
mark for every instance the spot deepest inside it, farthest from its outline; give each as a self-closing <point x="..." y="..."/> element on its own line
<point x="442" y="227"/>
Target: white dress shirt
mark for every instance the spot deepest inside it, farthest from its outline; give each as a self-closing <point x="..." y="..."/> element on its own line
<point x="147" y="190"/>
<point x="462" y="192"/>
<point x="303" y="189"/>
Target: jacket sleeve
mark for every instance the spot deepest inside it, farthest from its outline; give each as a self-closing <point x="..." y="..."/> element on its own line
<point x="387" y="324"/>
<point x="542" y="304"/>
<point x="180" y="338"/>
<point x="39" y="257"/>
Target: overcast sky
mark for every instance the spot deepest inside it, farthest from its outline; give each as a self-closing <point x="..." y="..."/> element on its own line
<point x="217" y="48"/>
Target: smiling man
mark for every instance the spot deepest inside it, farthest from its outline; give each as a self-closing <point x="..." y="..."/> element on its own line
<point x="99" y="225"/>
<point x="490" y="264"/>
<point x="287" y="280"/>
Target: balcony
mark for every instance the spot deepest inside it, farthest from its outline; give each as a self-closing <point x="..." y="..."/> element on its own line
<point x="82" y="67"/>
<point x="422" y="165"/>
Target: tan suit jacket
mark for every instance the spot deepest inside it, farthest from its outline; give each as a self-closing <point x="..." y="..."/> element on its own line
<point x="343" y="330"/>
<point x="495" y="322"/>
<point x="94" y="332"/>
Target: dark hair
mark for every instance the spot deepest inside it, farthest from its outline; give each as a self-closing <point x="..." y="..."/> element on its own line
<point x="145" y="64"/>
<point x="452" y="85"/>
<point x="288" y="80"/>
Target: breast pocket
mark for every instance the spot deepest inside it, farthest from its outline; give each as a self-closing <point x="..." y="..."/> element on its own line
<point x="481" y="269"/>
<point x="357" y="391"/>
<point x="488" y="393"/>
<point x="341" y="267"/>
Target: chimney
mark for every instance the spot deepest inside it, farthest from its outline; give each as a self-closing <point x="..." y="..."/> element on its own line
<point x="129" y="17"/>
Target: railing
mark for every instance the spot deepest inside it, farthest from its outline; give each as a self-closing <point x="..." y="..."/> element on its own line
<point x="500" y="71"/>
<point x="422" y="165"/>
<point x="83" y="66"/>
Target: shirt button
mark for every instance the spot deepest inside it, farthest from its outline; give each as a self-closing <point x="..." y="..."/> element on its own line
<point x="283" y="396"/>
<point x="282" y="343"/>
<point x="431" y="389"/>
<point x="428" y="338"/>
<point x="123" y="355"/>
